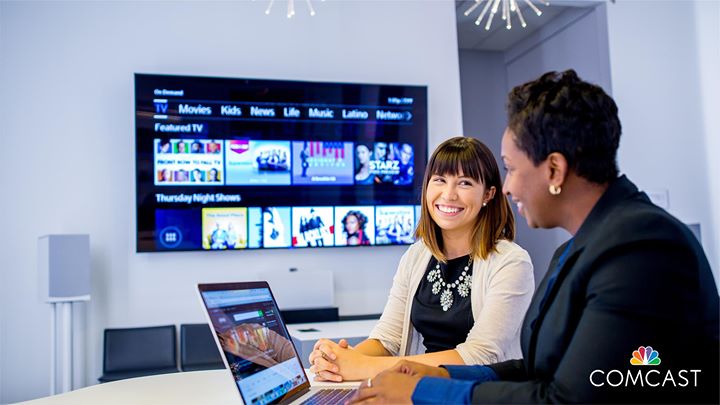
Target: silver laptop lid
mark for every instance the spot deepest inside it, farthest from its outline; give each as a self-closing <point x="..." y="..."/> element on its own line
<point x="254" y="341"/>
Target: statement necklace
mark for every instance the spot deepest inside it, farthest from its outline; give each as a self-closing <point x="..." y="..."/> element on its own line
<point x="462" y="284"/>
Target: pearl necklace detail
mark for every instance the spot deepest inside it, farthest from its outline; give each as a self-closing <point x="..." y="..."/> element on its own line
<point x="462" y="284"/>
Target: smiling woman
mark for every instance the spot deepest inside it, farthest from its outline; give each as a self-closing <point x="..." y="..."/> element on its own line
<point x="459" y="292"/>
<point x="464" y="167"/>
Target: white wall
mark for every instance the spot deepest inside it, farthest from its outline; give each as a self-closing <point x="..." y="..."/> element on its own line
<point x="664" y="64"/>
<point x="66" y="122"/>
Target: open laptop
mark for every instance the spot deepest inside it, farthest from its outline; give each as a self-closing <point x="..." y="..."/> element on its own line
<point x="256" y="347"/>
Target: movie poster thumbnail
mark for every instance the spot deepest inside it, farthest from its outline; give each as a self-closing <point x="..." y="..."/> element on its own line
<point x="177" y="229"/>
<point x="255" y="228"/>
<point x="224" y="228"/>
<point x="321" y="162"/>
<point x="363" y="154"/>
<point x="404" y="154"/>
<point x="257" y="162"/>
<point x="354" y="226"/>
<point x="394" y="224"/>
<point x="312" y="226"/>
<point x="389" y="163"/>
<point x="269" y="227"/>
<point x="187" y="162"/>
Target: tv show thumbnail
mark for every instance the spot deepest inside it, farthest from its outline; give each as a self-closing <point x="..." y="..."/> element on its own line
<point x="177" y="229"/>
<point x="224" y="228"/>
<point x="269" y="227"/>
<point x="213" y="147"/>
<point x="255" y="228"/>
<point x="312" y="226"/>
<point x="322" y="162"/>
<point x="363" y="153"/>
<point x="391" y="163"/>
<point x="193" y="166"/>
<point x="404" y="154"/>
<point x="257" y="162"/>
<point x="354" y="226"/>
<point x="180" y="146"/>
<point x="395" y="225"/>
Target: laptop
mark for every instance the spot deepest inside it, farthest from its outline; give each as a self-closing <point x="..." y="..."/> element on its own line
<point x="257" y="349"/>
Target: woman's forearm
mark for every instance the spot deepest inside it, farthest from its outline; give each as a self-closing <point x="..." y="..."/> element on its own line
<point x="376" y="365"/>
<point x="372" y="347"/>
<point x="451" y="357"/>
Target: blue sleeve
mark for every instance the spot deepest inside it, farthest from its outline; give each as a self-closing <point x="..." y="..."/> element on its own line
<point x="434" y="390"/>
<point x="475" y="373"/>
<point x="457" y="390"/>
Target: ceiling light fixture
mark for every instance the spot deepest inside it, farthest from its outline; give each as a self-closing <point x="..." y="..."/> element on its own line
<point x="291" y="8"/>
<point x="508" y="7"/>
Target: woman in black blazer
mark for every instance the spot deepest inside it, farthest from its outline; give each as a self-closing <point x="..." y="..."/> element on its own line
<point x="628" y="310"/>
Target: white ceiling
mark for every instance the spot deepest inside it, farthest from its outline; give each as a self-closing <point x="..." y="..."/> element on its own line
<point x="474" y="37"/>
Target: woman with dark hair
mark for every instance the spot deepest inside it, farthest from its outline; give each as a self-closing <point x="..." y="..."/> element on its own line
<point x="362" y="164"/>
<point x="354" y="228"/>
<point x="164" y="175"/>
<point x="460" y="291"/>
<point x="213" y="175"/>
<point x="632" y="287"/>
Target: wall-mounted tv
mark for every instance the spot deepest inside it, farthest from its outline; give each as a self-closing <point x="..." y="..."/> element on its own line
<point x="225" y="164"/>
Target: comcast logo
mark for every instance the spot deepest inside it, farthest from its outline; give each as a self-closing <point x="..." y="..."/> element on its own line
<point x="645" y="356"/>
<point x="644" y="377"/>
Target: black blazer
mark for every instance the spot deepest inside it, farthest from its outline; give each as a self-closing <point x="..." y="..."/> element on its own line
<point x="634" y="276"/>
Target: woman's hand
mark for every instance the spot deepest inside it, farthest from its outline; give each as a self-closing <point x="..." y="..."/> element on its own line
<point x="322" y="360"/>
<point x="388" y="387"/>
<point x="339" y="362"/>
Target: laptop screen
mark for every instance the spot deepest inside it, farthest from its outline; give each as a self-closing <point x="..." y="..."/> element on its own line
<point x="254" y="341"/>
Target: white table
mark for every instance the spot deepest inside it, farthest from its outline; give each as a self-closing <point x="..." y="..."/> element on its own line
<point x="212" y="387"/>
<point x="304" y="335"/>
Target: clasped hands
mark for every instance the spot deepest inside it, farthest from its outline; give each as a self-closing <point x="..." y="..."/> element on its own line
<point x="340" y="362"/>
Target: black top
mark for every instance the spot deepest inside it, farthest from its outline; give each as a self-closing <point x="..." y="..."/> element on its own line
<point x="442" y="330"/>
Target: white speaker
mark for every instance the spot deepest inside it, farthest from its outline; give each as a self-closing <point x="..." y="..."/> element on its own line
<point x="64" y="268"/>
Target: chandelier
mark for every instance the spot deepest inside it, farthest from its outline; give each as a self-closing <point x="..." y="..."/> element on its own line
<point x="291" y="7"/>
<point x="508" y="7"/>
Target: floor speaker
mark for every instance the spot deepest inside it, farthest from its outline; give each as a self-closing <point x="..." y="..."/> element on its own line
<point x="64" y="267"/>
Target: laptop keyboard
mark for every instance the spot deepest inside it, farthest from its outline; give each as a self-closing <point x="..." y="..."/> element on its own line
<point x="329" y="397"/>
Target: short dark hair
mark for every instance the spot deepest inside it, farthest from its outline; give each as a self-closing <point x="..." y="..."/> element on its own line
<point x="494" y="222"/>
<point x="559" y="112"/>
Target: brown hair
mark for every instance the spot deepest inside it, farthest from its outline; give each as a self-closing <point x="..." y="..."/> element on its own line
<point x="494" y="222"/>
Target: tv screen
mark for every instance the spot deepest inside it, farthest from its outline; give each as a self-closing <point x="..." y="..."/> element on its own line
<point x="225" y="164"/>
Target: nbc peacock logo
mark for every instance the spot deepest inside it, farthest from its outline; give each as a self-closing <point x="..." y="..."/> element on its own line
<point x="645" y="356"/>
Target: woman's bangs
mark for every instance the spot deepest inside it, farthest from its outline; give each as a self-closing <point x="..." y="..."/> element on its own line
<point x="452" y="161"/>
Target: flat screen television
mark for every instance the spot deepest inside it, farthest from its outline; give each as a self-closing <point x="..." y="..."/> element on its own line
<point x="225" y="164"/>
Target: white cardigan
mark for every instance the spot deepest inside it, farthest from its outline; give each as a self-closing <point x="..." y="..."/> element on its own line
<point x="502" y="287"/>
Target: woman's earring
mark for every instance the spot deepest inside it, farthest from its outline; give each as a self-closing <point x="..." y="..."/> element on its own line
<point x="485" y="204"/>
<point x="554" y="190"/>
